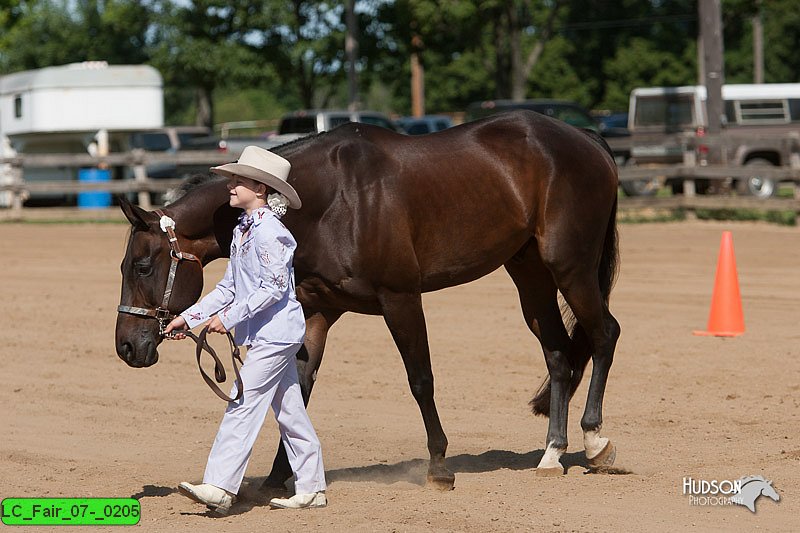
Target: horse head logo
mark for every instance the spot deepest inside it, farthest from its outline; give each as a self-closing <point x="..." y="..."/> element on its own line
<point x="752" y="488"/>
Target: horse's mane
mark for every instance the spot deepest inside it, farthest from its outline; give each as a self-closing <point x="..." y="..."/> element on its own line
<point x="281" y="148"/>
<point x="748" y="479"/>
<point x="197" y="180"/>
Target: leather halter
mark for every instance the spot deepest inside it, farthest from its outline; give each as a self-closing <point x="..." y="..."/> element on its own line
<point x="165" y="316"/>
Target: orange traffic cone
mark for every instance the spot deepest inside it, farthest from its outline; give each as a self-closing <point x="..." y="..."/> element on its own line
<point x="726" y="318"/>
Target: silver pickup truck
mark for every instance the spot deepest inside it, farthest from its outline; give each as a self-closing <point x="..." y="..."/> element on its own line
<point x="760" y="118"/>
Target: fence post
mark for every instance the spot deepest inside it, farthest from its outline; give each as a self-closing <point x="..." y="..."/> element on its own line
<point x="689" y="190"/>
<point x="140" y="178"/>
<point x="19" y="194"/>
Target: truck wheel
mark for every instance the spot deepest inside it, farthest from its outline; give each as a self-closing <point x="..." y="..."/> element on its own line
<point x="757" y="185"/>
<point x="641" y="187"/>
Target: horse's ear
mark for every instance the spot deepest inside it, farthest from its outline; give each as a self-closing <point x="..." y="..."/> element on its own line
<point x="138" y="217"/>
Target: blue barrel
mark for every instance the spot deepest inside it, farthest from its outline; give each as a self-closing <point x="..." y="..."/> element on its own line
<point x="94" y="199"/>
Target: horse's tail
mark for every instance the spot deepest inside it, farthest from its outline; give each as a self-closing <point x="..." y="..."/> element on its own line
<point x="580" y="349"/>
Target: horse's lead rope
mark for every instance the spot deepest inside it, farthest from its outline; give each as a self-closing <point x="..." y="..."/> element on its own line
<point x="219" y="369"/>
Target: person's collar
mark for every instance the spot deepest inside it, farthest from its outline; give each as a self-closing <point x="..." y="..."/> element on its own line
<point x="261" y="213"/>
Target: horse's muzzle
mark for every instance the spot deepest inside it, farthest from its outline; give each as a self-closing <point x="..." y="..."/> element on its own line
<point x="141" y="356"/>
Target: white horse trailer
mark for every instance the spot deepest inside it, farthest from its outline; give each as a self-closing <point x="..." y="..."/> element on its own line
<point x="62" y="109"/>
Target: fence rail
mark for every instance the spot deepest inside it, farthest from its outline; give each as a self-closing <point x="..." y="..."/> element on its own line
<point x="139" y="160"/>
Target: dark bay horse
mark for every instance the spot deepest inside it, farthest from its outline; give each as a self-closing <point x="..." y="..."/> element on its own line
<point x="387" y="217"/>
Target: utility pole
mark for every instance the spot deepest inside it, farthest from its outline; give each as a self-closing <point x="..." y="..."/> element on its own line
<point x="710" y="15"/>
<point x="351" y="50"/>
<point x="417" y="78"/>
<point x="758" y="45"/>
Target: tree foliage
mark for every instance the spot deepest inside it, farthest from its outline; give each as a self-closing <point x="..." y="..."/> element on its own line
<point x="258" y="58"/>
<point x="50" y="32"/>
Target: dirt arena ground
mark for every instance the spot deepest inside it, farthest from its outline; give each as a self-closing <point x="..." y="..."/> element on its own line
<point x="77" y="422"/>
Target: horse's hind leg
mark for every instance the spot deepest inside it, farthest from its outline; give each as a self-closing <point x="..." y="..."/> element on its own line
<point x="538" y="298"/>
<point x="582" y="292"/>
<point x="309" y="359"/>
<point x="406" y="321"/>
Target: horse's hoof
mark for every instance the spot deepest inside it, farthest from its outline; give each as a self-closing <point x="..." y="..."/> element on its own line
<point x="603" y="460"/>
<point x="553" y="471"/>
<point x="443" y="482"/>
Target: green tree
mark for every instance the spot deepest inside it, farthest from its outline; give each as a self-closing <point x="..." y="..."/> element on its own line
<point x="641" y="64"/>
<point x="51" y="32"/>
<point x="780" y="20"/>
<point x="303" y="41"/>
<point x="199" y="48"/>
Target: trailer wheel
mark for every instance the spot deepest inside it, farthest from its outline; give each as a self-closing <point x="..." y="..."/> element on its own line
<point x="757" y="185"/>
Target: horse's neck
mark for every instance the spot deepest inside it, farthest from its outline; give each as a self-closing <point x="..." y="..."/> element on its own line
<point x="194" y="216"/>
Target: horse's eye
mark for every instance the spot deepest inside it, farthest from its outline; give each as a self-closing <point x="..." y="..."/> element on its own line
<point x="144" y="270"/>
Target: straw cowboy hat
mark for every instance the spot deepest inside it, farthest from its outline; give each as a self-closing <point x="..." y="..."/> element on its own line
<point x="265" y="167"/>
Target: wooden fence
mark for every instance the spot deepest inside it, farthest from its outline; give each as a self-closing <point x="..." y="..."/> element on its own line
<point x="139" y="160"/>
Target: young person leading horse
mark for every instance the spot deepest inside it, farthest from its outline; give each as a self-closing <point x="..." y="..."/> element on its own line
<point x="257" y="298"/>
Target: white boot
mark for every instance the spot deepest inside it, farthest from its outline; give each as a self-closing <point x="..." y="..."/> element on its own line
<point x="215" y="498"/>
<point x="300" y="501"/>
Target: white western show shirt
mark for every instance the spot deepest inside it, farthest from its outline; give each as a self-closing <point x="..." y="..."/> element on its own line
<point x="256" y="297"/>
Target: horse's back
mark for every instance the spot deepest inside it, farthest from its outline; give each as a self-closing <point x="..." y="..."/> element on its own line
<point x="507" y="150"/>
<point x="454" y="205"/>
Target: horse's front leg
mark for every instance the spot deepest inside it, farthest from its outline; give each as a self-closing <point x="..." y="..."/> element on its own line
<point x="309" y="359"/>
<point x="404" y="317"/>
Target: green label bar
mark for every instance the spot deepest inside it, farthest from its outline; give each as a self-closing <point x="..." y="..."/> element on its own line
<point x="70" y="511"/>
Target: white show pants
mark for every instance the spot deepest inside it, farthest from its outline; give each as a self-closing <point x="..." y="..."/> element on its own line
<point x="269" y="375"/>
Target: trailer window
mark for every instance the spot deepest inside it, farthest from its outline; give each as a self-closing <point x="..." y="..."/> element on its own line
<point x="667" y="110"/>
<point x="18" y="106"/>
<point x="762" y="111"/>
<point x="794" y="109"/>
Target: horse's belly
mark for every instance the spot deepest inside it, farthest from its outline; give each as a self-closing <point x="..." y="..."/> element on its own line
<point x="456" y="267"/>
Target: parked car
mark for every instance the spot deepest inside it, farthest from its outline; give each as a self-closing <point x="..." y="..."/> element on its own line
<point x="570" y="112"/>
<point x="171" y="139"/>
<point x="309" y="121"/>
<point x="424" y="124"/>
<point x="759" y="118"/>
<point x="613" y="124"/>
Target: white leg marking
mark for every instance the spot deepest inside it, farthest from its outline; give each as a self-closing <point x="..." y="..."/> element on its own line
<point x="551" y="458"/>
<point x="593" y="443"/>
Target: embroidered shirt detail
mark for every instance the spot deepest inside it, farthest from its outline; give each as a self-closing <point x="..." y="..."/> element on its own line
<point x="279" y="280"/>
<point x="256" y="297"/>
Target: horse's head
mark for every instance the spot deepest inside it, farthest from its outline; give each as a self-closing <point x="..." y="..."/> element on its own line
<point x="145" y="274"/>
<point x="769" y="491"/>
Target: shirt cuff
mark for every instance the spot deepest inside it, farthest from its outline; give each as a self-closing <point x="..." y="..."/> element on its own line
<point x="193" y="318"/>
<point x="227" y="317"/>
